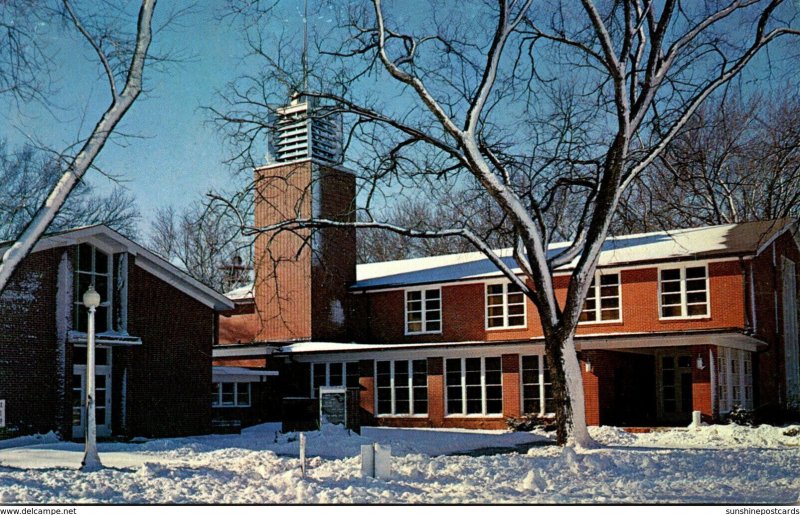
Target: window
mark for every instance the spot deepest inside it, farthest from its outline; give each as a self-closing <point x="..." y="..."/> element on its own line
<point x="474" y="386"/>
<point x="505" y="306"/>
<point x="734" y="379"/>
<point x="602" y="301"/>
<point x="230" y="395"/>
<point x="537" y="388"/>
<point x="423" y="311"/>
<point x="334" y="374"/>
<point x="92" y="267"/>
<point x="402" y="387"/>
<point x="683" y="292"/>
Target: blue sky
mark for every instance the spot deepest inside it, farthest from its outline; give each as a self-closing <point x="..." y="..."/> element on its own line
<point x="173" y="157"/>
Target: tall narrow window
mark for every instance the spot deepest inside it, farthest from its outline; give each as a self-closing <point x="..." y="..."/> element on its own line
<point x="603" y="299"/>
<point x="537" y="388"/>
<point x="423" y="311"/>
<point x="474" y="386"/>
<point x="92" y="267"/>
<point x="684" y="292"/>
<point x="505" y="306"/>
<point x="402" y="387"/>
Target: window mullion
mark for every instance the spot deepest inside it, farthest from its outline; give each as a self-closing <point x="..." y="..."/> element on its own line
<point x="483" y="386"/>
<point x="409" y="382"/>
<point x="391" y="388"/>
<point x="463" y="386"/>
<point x="541" y="385"/>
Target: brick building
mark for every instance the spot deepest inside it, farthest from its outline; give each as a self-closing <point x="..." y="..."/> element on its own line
<point x="155" y="330"/>
<point x="695" y="319"/>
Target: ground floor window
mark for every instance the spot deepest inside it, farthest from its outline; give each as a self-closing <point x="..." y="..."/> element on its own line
<point x="537" y="388"/>
<point x="474" y="386"/>
<point x="334" y="374"/>
<point x="230" y="395"/>
<point x="734" y="371"/>
<point x="402" y="387"/>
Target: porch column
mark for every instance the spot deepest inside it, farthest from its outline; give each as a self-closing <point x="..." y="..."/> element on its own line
<point x="701" y="382"/>
<point x="436" y="391"/>
<point x="511" y="386"/>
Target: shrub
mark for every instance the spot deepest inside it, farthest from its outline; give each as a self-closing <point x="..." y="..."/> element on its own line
<point x="741" y="417"/>
<point x="529" y="422"/>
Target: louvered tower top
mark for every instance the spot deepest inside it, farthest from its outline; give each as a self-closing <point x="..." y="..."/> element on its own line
<point x="304" y="129"/>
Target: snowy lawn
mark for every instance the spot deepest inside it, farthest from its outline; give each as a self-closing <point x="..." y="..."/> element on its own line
<point x="716" y="464"/>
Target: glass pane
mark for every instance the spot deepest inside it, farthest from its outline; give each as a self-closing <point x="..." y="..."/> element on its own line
<point x="384" y="402"/>
<point x="609" y="279"/>
<point x="243" y="394"/>
<point x="432" y="305"/>
<point x="413" y="296"/>
<point x="85" y="258"/>
<point x="432" y="294"/>
<point x="695" y="272"/>
<point x="494" y="406"/>
<point x="227" y="394"/>
<point x="587" y="316"/>
<point x="516" y="321"/>
<point x="335" y="374"/>
<point x="609" y="291"/>
<point x="673" y="311"/>
<point x="671" y="299"/>
<point x="474" y="406"/>
<point x="610" y="314"/>
<point x="353" y="371"/>
<point x="434" y="326"/>
<point x="696" y="285"/>
<point x="494" y="289"/>
<point x="415" y="306"/>
<point x="696" y="298"/>
<point x="84" y="281"/>
<point x="495" y="311"/>
<point x="517" y="309"/>
<point x="319" y="376"/>
<point x="673" y="274"/>
<point x="101" y="285"/>
<point x="415" y="327"/>
<point x="420" y="401"/>
<point x="420" y="367"/>
<point x="495" y="322"/>
<point x="684" y="361"/>
<point x="515" y="298"/>
<point x="610" y="303"/>
<point x="494" y="300"/>
<point x="101" y="319"/>
<point x="697" y="310"/>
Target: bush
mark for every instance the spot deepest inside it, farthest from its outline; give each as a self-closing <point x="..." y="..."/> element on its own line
<point x="741" y="417"/>
<point x="529" y="422"/>
<point x="792" y="432"/>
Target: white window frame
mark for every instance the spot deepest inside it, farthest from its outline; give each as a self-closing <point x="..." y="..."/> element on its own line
<point x="541" y="384"/>
<point x="409" y="363"/>
<point x="463" y="413"/>
<point x="217" y="403"/>
<point x="327" y="365"/>
<point x="423" y="299"/>
<point x="742" y="360"/>
<point x="683" y="293"/>
<point x="598" y="311"/>
<point x="108" y="294"/>
<point x="504" y="284"/>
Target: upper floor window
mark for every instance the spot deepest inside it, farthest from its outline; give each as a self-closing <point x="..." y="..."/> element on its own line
<point x="92" y="267"/>
<point x="505" y="306"/>
<point x="603" y="299"/>
<point x="683" y="292"/>
<point x="402" y="387"/>
<point x="423" y="311"/>
<point x="344" y="374"/>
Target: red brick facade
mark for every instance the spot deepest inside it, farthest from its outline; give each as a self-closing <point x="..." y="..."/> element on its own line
<point x="159" y="388"/>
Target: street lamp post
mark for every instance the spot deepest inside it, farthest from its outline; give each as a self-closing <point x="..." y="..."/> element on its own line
<point x="91" y="460"/>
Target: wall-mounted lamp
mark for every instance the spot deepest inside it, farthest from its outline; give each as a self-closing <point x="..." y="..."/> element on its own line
<point x="700" y="364"/>
<point x="587" y="366"/>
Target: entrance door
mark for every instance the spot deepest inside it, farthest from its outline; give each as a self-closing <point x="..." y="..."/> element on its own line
<point x="102" y="388"/>
<point x="675" y="388"/>
<point x="790" y="333"/>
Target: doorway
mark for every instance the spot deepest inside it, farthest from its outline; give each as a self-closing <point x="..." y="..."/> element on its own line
<point x="102" y="391"/>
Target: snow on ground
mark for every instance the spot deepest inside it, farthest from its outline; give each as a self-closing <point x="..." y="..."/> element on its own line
<point x="714" y="464"/>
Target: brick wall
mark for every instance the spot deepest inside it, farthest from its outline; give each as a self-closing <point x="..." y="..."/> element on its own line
<point x="169" y="375"/>
<point x="769" y="370"/>
<point x="463" y="309"/>
<point x="29" y="359"/>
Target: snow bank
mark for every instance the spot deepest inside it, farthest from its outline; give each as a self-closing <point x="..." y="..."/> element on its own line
<point x="260" y="466"/>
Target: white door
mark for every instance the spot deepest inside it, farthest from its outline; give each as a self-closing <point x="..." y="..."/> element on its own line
<point x="790" y="344"/>
<point x="102" y="389"/>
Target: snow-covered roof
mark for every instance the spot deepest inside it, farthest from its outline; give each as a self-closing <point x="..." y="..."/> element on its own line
<point x="240" y="374"/>
<point x="241" y="293"/>
<point x="110" y="240"/>
<point x="681" y="244"/>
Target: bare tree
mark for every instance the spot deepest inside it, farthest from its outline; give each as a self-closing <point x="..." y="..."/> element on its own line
<point x="551" y="110"/>
<point x="27" y="175"/>
<point x="24" y="62"/>
<point x="123" y="65"/>
<point x="205" y="243"/>
<point x="736" y="160"/>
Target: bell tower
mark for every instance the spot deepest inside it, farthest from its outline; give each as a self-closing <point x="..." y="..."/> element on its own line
<point x="302" y="275"/>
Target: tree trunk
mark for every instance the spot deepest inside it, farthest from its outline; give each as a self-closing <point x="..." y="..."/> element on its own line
<point x="567" y="392"/>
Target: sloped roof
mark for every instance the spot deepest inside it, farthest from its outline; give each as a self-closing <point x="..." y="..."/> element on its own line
<point x="681" y="244"/>
<point x="156" y="265"/>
